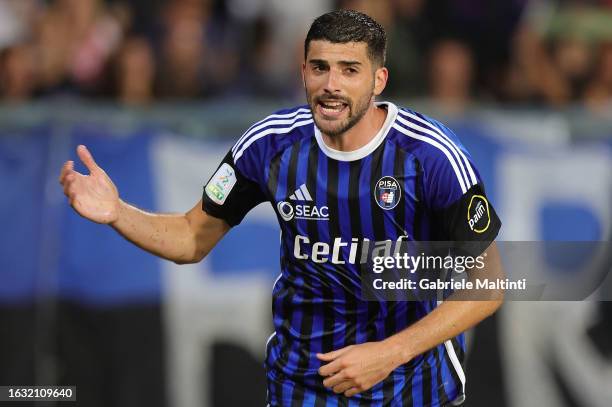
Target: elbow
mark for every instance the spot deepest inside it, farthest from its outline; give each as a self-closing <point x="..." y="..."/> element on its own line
<point x="496" y="301"/>
<point x="190" y="259"/>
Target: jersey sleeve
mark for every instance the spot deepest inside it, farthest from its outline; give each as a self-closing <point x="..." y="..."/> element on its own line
<point x="456" y="198"/>
<point x="231" y="192"/>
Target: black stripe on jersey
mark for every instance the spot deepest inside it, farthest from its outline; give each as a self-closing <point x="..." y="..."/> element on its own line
<point x="333" y="230"/>
<point x="378" y="228"/>
<point x="458" y="349"/>
<point x="273" y="171"/>
<point x="453" y="372"/>
<point x="426" y="369"/>
<point x="297" y="396"/>
<point x="419" y="205"/>
<point x="399" y="213"/>
<point x="441" y="391"/>
<point x="353" y="302"/>
<point x="292" y="170"/>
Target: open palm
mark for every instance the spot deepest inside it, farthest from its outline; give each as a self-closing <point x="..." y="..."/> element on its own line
<point x="93" y="196"/>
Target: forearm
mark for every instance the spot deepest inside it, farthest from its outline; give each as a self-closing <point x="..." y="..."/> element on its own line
<point x="457" y="314"/>
<point x="165" y="235"/>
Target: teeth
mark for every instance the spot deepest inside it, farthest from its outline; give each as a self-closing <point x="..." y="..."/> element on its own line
<point x="332" y="105"/>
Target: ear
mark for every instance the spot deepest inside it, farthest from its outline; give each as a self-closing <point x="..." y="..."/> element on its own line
<point x="380" y="80"/>
<point x="304" y="73"/>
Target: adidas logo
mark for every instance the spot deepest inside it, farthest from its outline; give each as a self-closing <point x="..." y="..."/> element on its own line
<point x="301" y="194"/>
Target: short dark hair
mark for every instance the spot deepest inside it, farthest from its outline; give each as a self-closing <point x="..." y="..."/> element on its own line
<point x="342" y="26"/>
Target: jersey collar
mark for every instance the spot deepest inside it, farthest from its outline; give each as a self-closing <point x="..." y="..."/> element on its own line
<point x="366" y="149"/>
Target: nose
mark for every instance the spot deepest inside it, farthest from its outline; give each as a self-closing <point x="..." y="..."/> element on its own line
<point x="333" y="81"/>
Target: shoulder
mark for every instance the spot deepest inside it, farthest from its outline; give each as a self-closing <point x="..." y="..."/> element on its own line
<point x="424" y="132"/>
<point x="272" y="132"/>
<point x="435" y="146"/>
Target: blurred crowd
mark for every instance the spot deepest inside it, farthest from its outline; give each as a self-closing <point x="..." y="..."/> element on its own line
<point x="533" y="52"/>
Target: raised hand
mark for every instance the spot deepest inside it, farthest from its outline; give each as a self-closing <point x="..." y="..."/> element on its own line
<point x="93" y="196"/>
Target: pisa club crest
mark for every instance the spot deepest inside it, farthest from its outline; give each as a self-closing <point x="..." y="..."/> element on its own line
<point x="387" y="193"/>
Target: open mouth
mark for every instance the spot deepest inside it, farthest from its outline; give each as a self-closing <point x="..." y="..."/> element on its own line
<point x="331" y="108"/>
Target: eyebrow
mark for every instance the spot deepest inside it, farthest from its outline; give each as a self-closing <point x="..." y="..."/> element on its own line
<point x="345" y="63"/>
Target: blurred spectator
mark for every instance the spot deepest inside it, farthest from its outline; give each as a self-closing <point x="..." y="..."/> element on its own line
<point x="451" y="75"/>
<point x="96" y="33"/>
<point x="15" y="18"/>
<point x="135" y="71"/>
<point x="598" y="94"/>
<point x="549" y="52"/>
<point x="17" y="81"/>
<point x="409" y="38"/>
<point x="531" y="75"/>
<point x="182" y="50"/>
<point x="485" y="27"/>
<point x="573" y="58"/>
<point x="51" y="36"/>
<point x="197" y="57"/>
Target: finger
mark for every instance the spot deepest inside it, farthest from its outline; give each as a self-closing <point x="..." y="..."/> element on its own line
<point x="351" y="392"/>
<point x="335" y="379"/>
<point x="87" y="158"/>
<point x="66" y="169"/>
<point x="331" y="368"/>
<point x="68" y="181"/>
<point x="342" y="387"/>
<point x="326" y="357"/>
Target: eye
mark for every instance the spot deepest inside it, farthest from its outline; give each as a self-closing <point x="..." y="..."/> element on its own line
<point x="351" y="70"/>
<point x="319" y="68"/>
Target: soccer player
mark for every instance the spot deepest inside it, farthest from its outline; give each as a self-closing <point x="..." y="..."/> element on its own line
<point x="343" y="173"/>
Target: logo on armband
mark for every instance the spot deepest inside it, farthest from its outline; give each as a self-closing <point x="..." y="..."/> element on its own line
<point x="221" y="184"/>
<point x="478" y="215"/>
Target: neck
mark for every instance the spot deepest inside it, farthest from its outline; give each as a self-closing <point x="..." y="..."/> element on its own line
<point x="361" y="133"/>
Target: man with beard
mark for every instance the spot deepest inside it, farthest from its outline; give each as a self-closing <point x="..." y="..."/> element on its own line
<point x="347" y="177"/>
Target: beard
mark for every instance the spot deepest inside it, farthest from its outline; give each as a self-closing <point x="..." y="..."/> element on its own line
<point x="334" y="128"/>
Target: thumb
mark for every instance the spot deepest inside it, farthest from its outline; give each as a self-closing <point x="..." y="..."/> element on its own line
<point x="87" y="158"/>
<point x="326" y="357"/>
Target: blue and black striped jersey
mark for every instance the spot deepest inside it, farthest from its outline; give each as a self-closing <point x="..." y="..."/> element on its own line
<point x="333" y="207"/>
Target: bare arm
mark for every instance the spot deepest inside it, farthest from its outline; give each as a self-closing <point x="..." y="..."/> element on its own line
<point x="356" y="368"/>
<point x="454" y="316"/>
<point x="182" y="238"/>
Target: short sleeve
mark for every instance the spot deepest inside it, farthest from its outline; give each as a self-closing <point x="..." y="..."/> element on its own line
<point x="456" y="198"/>
<point x="230" y="194"/>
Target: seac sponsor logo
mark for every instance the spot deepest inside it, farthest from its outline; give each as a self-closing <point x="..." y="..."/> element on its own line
<point x="301" y="206"/>
<point x="387" y="193"/>
<point x="221" y="184"/>
<point x="478" y="215"/>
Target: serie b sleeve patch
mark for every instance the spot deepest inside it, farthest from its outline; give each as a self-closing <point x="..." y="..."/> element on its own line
<point x="221" y="184"/>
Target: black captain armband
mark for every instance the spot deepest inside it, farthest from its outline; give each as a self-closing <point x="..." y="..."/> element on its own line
<point x="471" y="222"/>
<point x="229" y="195"/>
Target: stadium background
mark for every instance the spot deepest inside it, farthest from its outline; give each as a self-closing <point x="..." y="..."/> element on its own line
<point x="159" y="89"/>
